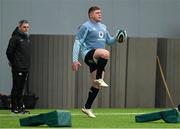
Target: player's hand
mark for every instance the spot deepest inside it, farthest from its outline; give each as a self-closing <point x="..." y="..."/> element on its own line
<point x="76" y="65"/>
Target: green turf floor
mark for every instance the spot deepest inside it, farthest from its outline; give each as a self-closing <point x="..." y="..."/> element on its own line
<point x="105" y="118"/>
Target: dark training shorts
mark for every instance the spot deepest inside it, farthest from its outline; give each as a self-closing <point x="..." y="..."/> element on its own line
<point x="90" y="61"/>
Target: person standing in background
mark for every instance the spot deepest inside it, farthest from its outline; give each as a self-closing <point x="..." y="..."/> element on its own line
<point x="18" y="54"/>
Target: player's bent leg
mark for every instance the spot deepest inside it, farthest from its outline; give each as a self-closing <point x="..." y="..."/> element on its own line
<point x="101" y="56"/>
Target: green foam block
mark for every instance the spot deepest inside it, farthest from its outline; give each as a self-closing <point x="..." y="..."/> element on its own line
<point x="148" y="117"/>
<point x="56" y="118"/>
<point x="169" y="116"/>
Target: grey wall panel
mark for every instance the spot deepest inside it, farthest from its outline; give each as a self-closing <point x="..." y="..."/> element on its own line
<point x="160" y="89"/>
<point x="39" y="68"/>
<point x="51" y="77"/>
<point x="51" y="72"/>
<point x="173" y="69"/>
<point x="141" y="73"/>
<point x="44" y="55"/>
<point x="67" y="73"/>
<point x="118" y="75"/>
<point x="59" y="58"/>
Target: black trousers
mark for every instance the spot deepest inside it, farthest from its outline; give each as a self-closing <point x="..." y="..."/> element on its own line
<point x="19" y="79"/>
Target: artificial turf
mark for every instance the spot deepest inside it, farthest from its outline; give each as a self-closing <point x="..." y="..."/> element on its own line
<point x="105" y="118"/>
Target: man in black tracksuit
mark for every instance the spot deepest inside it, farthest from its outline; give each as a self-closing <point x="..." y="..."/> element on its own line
<point x="18" y="54"/>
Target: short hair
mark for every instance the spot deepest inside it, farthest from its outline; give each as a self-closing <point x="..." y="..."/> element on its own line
<point x="93" y="8"/>
<point x="22" y="22"/>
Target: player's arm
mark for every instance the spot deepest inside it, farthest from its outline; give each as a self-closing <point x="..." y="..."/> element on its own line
<point x="79" y="39"/>
<point x="11" y="50"/>
<point x="76" y="49"/>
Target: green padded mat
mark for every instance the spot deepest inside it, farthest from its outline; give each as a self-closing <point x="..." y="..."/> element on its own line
<point x="148" y="117"/>
<point x="56" y="118"/>
<point x="169" y="116"/>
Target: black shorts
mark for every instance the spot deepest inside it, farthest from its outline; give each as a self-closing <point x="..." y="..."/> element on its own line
<point x="90" y="61"/>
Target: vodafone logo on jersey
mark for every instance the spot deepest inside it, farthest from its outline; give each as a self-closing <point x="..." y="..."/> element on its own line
<point x="101" y="34"/>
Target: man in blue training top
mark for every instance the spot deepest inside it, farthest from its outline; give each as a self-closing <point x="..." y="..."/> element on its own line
<point x="90" y="41"/>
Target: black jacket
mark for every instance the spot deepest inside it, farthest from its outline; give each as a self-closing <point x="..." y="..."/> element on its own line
<point x="18" y="51"/>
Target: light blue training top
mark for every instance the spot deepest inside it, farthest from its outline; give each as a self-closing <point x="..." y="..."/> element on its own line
<point x="91" y="35"/>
